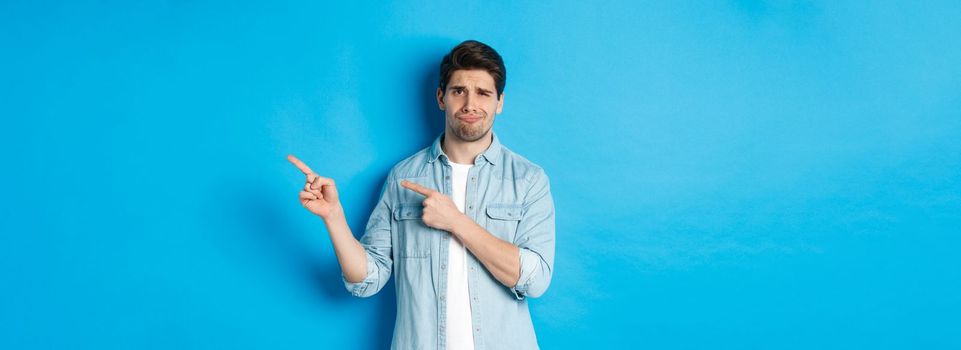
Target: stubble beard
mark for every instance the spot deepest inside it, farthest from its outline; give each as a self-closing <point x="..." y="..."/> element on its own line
<point x="470" y="133"/>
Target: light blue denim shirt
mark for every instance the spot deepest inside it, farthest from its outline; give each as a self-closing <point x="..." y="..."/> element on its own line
<point x="506" y="194"/>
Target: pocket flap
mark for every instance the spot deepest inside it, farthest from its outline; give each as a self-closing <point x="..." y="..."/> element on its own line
<point x="408" y="212"/>
<point x="504" y="213"/>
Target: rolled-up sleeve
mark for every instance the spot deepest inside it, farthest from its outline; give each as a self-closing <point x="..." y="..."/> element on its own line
<point x="377" y="246"/>
<point x="535" y="240"/>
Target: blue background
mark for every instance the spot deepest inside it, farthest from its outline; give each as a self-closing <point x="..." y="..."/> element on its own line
<point x="727" y="174"/>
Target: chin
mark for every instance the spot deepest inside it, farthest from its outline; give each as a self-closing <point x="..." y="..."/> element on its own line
<point x="472" y="137"/>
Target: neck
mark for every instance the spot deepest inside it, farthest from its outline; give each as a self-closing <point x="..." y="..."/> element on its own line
<point x="464" y="152"/>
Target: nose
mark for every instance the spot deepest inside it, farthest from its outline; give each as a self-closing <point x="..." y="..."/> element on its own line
<point x="468" y="104"/>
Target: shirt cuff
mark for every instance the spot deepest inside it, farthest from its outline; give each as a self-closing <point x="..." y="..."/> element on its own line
<point x="530" y="262"/>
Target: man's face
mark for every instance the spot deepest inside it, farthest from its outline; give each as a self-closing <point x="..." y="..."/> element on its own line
<point x="470" y="104"/>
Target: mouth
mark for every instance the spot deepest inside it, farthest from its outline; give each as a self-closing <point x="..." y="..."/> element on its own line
<point x="470" y="118"/>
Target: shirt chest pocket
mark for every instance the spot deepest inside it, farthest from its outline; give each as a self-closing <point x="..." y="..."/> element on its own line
<point x="412" y="235"/>
<point x="502" y="220"/>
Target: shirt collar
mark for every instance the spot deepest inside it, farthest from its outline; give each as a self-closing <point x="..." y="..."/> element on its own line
<point x="491" y="155"/>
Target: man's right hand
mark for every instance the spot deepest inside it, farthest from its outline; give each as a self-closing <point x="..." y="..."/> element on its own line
<point x="319" y="194"/>
<point x="320" y="197"/>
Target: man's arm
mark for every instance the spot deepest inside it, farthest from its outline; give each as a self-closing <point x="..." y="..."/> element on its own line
<point x="376" y="245"/>
<point x="350" y="253"/>
<point x="499" y="257"/>
<point x="535" y="240"/>
<point x="525" y="266"/>
<point x="360" y="268"/>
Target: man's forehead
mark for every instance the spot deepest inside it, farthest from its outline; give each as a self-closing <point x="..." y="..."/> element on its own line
<point x="472" y="77"/>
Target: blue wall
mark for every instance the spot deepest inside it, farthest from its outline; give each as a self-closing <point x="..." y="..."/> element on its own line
<point x="727" y="174"/>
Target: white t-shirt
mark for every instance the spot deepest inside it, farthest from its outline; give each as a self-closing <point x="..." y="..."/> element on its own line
<point x="459" y="324"/>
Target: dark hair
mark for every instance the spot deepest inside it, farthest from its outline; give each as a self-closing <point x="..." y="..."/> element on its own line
<point x="472" y="54"/>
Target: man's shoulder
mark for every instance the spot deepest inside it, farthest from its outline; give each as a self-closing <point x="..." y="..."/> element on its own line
<point x="518" y="166"/>
<point x="412" y="166"/>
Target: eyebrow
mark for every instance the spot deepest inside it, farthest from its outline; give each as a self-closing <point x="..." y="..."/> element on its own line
<point x="462" y="87"/>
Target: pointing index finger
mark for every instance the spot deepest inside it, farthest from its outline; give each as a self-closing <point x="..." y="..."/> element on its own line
<point x="426" y="192"/>
<point x="299" y="164"/>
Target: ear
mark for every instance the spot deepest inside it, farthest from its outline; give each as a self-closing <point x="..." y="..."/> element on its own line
<point x="440" y="99"/>
<point x="500" y="104"/>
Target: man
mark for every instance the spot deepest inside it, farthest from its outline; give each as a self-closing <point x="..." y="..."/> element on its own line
<point x="466" y="225"/>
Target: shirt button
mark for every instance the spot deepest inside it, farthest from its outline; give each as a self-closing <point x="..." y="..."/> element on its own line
<point x="443" y="266"/>
<point x="442" y="297"/>
<point x="447" y="177"/>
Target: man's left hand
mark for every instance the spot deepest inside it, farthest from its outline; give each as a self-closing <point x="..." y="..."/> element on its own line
<point x="440" y="212"/>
